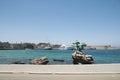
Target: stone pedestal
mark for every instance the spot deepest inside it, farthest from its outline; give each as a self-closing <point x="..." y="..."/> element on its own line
<point x="80" y="57"/>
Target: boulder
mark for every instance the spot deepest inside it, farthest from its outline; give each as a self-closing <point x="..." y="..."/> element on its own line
<point x="43" y="60"/>
<point x="80" y="57"/>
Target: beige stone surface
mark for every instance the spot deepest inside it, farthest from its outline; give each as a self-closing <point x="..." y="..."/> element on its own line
<point x="61" y="69"/>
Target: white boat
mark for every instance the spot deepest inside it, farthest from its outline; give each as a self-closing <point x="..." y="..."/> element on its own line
<point x="66" y="47"/>
<point x="48" y="48"/>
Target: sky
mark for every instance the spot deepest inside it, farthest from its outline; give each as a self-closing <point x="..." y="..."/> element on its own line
<point x="95" y="22"/>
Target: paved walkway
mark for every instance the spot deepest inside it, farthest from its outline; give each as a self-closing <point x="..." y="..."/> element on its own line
<point x="59" y="77"/>
<point x="61" y="69"/>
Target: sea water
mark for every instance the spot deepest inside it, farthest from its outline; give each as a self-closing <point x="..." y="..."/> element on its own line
<point x="25" y="56"/>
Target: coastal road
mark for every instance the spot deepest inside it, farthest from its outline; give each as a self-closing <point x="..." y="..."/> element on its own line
<point x="59" y="77"/>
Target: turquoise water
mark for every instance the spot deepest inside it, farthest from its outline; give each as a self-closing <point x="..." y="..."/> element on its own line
<point x="100" y="56"/>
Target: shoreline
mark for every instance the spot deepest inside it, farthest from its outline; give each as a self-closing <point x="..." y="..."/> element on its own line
<point x="86" y="69"/>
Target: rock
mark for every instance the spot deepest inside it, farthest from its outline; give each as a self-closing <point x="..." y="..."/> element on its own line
<point x="80" y="57"/>
<point x="59" y="60"/>
<point x="43" y="60"/>
<point x="18" y="62"/>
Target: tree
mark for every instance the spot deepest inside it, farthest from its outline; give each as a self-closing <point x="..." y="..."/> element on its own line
<point x="28" y="46"/>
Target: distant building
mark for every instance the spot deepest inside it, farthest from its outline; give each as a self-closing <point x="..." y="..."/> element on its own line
<point x="44" y="46"/>
<point x="4" y="45"/>
<point x="55" y="46"/>
<point x="101" y="47"/>
<point x="16" y="46"/>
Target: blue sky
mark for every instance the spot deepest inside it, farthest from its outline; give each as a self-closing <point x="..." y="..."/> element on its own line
<point x="95" y="22"/>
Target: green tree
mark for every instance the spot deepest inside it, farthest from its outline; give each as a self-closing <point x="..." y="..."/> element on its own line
<point x="28" y="46"/>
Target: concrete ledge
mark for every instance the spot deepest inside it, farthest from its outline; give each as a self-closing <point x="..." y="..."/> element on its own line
<point x="60" y="69"/>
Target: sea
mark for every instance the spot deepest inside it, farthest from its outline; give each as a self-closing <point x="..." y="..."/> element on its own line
<point x="25" y="56"/>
